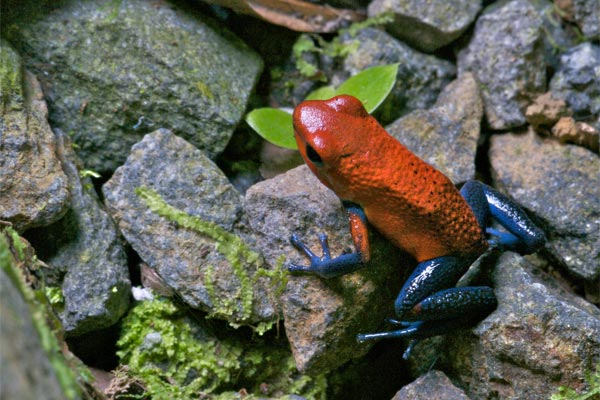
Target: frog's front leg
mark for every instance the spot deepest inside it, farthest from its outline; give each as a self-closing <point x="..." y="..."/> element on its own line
<point x="328" y="267"/>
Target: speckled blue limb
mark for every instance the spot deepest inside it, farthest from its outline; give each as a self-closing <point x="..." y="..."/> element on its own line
<point x="522" y="236"/>
<point x="326" y="266"/>
<point x="429" y="305"/>
<point x="423" y="329"/>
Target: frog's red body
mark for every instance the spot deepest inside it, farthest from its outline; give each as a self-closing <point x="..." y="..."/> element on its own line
<point x="410" y="202"/>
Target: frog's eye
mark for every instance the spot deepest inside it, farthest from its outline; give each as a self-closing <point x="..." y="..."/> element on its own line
<point x="313" y="156"/>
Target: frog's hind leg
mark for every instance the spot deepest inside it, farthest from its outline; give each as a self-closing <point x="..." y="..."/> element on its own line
<point x="522" y="235"/>
<point x="429" y="305"/>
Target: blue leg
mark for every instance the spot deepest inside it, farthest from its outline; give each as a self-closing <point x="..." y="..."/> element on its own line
<point x="328" y="267"/>
<point x="433" y="306"/>
<point x="522" y="235"/>
<point x="429" y="304"/>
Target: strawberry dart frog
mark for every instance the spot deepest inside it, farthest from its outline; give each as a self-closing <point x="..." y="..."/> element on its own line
<point x="414" y="206"/>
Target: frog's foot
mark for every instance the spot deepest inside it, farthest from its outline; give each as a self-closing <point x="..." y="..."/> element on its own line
<point x="418" y="330"/>
<point x="324" y="266"/>
<point x="411" y="330"/>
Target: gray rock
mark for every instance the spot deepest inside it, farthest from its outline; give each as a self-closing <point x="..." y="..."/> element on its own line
<point x="540" y="337"/>
<point x="577" y="80"/>
<point x="111" y="75"/>
<point x="420" y="79"/>
<point x="322" y="317"/>
<point x="446" y="135"/>
<point x="27" y="372"/>
<point x="33" y="187"/>
<point x="432" y="385"/>
<point x="556" y="37"/>
<point x="427" y="25"/>
<point x="195" y="262"/>
<point x="506" y="55"/>
<point x="36" y="361"/>
<point x="559" y="184"/>
<point x="587" y="16"/>
<point x="84" y="247"/>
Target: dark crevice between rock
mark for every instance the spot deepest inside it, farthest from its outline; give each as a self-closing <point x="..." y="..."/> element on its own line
<point x="97" y="349"/>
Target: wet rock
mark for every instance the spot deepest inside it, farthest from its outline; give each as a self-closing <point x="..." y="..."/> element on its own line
<point x="506" y="55"/>
<point x="446" y="135"/>
<point x="85" y="250"/>
<point x="33" y="187"/>
<point x="36" y="363"/>
<point x="109" y="78"/>
<point x="322" y="316"/>
<point x="29" y="376"/>
<point x="427" y="25"/>
<point x="420" y="79"/>
<point x="165" y="181"/>
<point x="540" y="337"/>
<point x="559" y="184"/>
<point x="433" y="385"/>
<point x="555" y="36"/>
<point x="577" y="80"/>
<point x="587" y="15"/>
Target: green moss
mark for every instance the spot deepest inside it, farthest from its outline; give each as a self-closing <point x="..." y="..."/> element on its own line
<point x="17" y="243"/>
<point x="10" y="74"/>
<point x="55" y="296"/>
<point x="176" y="359"/>
<point x="335" y="48"/>
<point x="205" y="90"/>
<point x="175" y="364"/>
<point x="84" y="173"/>
<point x="240" y="257"/>
<point x="593" y="391"/>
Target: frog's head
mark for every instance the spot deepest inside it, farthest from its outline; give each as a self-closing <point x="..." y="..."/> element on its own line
<point x="330" y="134"/>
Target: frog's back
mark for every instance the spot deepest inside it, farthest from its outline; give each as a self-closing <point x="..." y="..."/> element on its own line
<point x="416" y="206"/>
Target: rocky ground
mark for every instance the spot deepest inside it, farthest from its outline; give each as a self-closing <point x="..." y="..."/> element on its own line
<point x="144" y="229"/>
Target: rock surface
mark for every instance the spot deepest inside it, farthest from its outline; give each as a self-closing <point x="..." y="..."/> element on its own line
<point x="587" y="15"/>
<point x="193" y="263"/>
<point x="510" y="73"/>
<point x="577" y="81"/>
<point x="322" y="317"/>
<point x="432" y="385"/>
<point x="33" y="187"/>
<point x="427" y="25"/>
<point x="446" y="135"/>
<point x="420" y="78"/>
<point x="539" y="337"/>
<point x="559" y="184"/>
<point x="36" y="362"/>
<point x="27" y="372"/>
<point x="85" y="250"/>
<point x="109" y="78"/>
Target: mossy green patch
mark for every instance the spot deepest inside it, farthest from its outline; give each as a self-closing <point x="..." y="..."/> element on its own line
<point x="205" y="90"/>
<point x="335" y="48"/>
<point x="247" y="265"/>
<point x="176" y="358"/>
<point x="592" y="392"/>
<point x="55" y="296"/>
<point x="10" y="75"/>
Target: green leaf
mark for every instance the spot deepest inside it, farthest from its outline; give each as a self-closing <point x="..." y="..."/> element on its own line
<point x="371" y="86"/>
<point x="322" y="93"/>
<point x="273" y="125"/>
